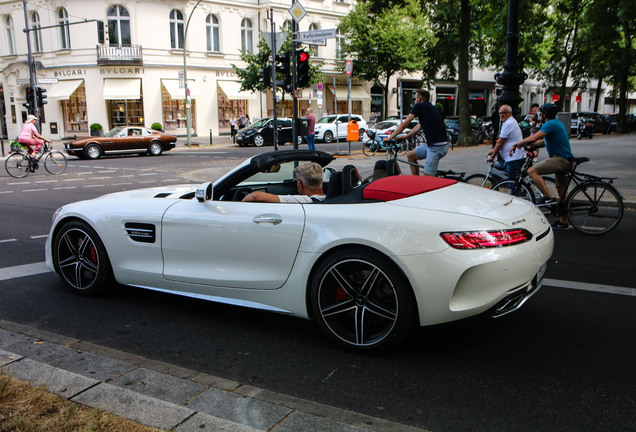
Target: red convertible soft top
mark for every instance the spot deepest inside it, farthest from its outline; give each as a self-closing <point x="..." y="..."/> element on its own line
<point x="403" y="186"/>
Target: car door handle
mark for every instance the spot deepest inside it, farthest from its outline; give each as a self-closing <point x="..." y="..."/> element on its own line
<point x="268" y="219"/>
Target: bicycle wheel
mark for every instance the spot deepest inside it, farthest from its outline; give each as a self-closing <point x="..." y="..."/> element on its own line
<point x="369" y="148"/>
<point x="479" y="180"/>
<point x="594" y="207"/>
<point x="18" y="165"/>
<point x="550" y="183"/>
<point x="55" y="162"/>
<point x="522" y="190"/>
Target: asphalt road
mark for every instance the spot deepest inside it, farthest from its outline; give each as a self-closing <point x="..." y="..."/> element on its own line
<point x="564" y="362"/>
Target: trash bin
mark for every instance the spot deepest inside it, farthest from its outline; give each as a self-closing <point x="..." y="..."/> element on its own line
<point x="353" y="131"/>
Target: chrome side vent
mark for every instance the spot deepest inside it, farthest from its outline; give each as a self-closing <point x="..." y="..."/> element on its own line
<point x="141" y="232"/>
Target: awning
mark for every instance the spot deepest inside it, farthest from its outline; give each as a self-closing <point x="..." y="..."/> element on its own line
<point x="63" y="89"/>
<point x="172" y="87"/>
<point x="357" y="92"/>
<point x="122" y="88"/>
<point x="232" y="90"/>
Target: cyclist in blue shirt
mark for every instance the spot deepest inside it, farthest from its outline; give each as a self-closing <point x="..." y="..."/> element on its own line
<point x="431" y="121"/>
<point x="555" y="138"/>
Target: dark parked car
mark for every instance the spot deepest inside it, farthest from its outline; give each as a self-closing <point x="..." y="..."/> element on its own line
<point x="452" y="127"/>
<point x="599" y="123"/>
<point x="122" y="139"/>
<point x="261" y="132"/>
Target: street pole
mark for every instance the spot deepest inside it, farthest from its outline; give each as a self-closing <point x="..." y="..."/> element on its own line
<point x="185" y="78"/>
<point x="513" y="76"/>
<point x="294" y="99"/>
<point x="270" y="15"/>
<point x="32" y="78"/>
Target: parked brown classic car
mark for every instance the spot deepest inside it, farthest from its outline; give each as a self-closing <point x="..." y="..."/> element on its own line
<point x="122" y="139"/>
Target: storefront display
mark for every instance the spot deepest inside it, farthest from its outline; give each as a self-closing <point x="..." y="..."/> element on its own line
<point x="74" y="112"/>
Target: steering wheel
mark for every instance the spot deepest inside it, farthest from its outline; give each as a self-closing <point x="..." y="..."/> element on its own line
<point x="241" y="193"/>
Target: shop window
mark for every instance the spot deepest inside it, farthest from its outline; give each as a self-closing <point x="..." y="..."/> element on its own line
<point x="174" y="112"/>
<point x="228" y="109"/>
<point x="74" y="111"/>
<point x="125" y="112"/>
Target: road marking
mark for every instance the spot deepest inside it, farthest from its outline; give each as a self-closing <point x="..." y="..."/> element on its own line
<point x="583" y="286"/>
<point x="23" y="270"/>
<point x="39" y="236"/>
<point x="73" y="180"/>
<point x="34" y="190"/>
<point x="18" y="183"/>
<point x="65" y="187"/>
<point x="94" y="186"/>
<point x="148" y="174"/>
<point x="46" y="181"/>
<point x="120" y="184"/>
<point x="8" y="240"/>
<point x="1" y="192"/>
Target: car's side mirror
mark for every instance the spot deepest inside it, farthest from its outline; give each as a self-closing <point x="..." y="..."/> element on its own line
<point x="204" y="192"/>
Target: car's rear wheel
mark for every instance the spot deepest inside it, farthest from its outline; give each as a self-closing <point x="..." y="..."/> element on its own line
<point x="259" y="140"/>
<point x="155" y="149"/>
<point x="93" y="151"/>
<point x="80" y="258"/>
<point x="328" y="137"/>
<point x="361" y="300"/>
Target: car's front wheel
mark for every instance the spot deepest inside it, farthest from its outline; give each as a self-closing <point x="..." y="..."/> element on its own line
<point x="80" y="258"/>
<point x="155" y="149"/>
<point x="93" y="151"/>
<point x="328" y="137"/>
<point x="362" y="301"/>
<point x="259" y="140"/>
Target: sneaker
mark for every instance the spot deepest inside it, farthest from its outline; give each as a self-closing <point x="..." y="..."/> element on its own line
<point x="546" y="201"/>
<point x="560" y="225"/>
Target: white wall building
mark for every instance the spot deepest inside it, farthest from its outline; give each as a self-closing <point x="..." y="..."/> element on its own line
<point x="132" y="77"/>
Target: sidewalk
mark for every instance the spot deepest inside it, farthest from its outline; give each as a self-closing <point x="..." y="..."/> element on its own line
<point x="161" y="395"/>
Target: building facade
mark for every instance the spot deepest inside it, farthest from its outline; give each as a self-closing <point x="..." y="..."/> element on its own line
<point x="134" y="71"/>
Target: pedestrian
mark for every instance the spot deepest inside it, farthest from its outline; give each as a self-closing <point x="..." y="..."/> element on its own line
<point x="241" y="121"/>
<point x="247" y="120"/>
<point x="535" y="122"/>
<point x="510" y="134"/>
<point x="432" y="123"/>
<point x="30" y="137"/>
<point x="311" y="133"/>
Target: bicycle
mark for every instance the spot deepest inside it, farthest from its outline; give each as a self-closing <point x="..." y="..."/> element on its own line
<point x="496" y="174"/>
<point x="19" y="163"/>
<point x="392" y="147"/>
<point x="594" y="206"/>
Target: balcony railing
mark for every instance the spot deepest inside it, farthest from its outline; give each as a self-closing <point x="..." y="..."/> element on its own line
<point x="119" y="55"/>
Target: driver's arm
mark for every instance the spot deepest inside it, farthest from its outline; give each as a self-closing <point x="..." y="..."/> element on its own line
<point x="261" y="197"/>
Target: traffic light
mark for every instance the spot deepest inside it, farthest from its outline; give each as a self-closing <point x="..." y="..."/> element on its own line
<point x="39" y="91"/>
<point x="282" y="67"/>
<point x="100" y="32"/>
<point x="266" y="76"/>
<point x="302" y="69"/>
<point x="29" y="100"/>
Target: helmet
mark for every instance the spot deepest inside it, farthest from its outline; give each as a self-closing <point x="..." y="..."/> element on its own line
<point x="550" y="110"/>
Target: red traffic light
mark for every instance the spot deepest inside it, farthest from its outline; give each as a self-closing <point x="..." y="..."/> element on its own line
<point x="303" y="57"/>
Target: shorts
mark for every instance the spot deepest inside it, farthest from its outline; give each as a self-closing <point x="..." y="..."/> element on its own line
<point x="432" y="154"/>
<point x="556" y="165"/>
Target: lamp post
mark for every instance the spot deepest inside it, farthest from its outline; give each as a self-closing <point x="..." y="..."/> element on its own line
<point x="513" y="76"/>
<point x="185" y="78"/>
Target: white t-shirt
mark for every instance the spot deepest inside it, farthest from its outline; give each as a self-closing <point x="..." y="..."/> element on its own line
<point x="511" y="132"/>
<point x="300" y="199"/>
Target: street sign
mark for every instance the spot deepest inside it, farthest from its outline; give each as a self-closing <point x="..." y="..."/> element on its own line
<point x="317" y="35"/>
<point x="23" y="81"/>
<point x="348" y="68"/>
<point x="297" y="12"/>
<point x="280" y="39"/>
<point x="181" y="79"/>
<point x="48" y="80"/>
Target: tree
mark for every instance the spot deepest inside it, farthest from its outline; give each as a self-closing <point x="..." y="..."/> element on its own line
<point x="386" y="41"/>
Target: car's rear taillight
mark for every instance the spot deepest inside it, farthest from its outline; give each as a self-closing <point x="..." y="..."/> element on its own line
<point x="485" y="239"/>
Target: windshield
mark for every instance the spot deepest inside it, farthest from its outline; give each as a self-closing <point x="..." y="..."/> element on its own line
<point x="114" y="131"/>
<point x="259" y="123"/>
<point x="329" y="119"/>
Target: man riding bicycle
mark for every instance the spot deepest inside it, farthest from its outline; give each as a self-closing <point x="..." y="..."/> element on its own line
<point x="554" y="137"/>
<point x="30" y="137"/>
<point x="430" y="120"/>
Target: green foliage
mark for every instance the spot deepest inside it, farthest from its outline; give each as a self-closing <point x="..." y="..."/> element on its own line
<point x="95" y="127"/>
<point x="156" y="126"/>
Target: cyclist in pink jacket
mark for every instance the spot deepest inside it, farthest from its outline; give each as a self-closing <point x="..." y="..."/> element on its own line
<point x="30" y="136"/>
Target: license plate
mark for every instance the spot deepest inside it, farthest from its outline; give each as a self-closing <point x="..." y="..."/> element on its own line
<point x="541" y="272"/>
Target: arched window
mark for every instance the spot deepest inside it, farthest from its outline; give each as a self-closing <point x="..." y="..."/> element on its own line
<point x="316" y="48"/>
<point x="10" y="35"/>
<point x="212" y="33"/>
<point x="176" y="29"/>
<point x="37" y="34"/>
<point x="247" y="35"/>
<point x="118" y="26"/>
<point x="65" y="34"/>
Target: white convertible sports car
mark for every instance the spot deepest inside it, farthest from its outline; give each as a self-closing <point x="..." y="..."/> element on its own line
<point x="372" y="261"/>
